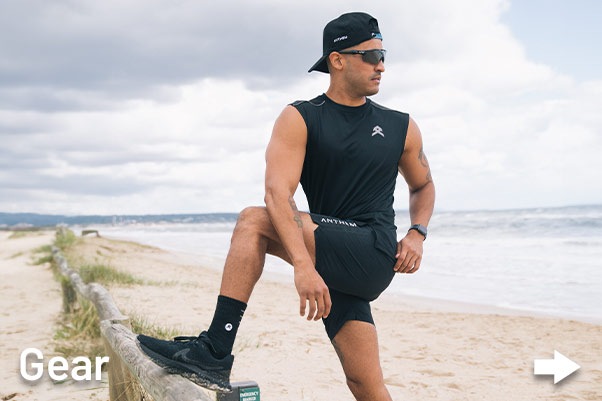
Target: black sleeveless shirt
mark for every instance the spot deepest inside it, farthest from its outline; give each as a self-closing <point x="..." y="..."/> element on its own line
<point x="351" y="160"/>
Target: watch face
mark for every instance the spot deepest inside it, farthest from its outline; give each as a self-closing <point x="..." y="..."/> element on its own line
<point x="420" y="228"/>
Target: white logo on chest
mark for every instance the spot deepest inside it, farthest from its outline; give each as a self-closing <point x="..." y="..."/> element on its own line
<point x="377" y="130"/>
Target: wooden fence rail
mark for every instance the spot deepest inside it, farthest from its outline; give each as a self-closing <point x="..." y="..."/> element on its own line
<point x="127" y="363"/>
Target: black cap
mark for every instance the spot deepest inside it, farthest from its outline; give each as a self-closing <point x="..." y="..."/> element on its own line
<point x="346" y="31"/>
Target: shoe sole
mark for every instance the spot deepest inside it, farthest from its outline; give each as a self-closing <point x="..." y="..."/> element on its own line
<point x="191" y="372"/>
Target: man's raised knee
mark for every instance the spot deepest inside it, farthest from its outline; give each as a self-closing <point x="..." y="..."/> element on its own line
<point x="254" y="217"/>
<point x="252" y="213"/>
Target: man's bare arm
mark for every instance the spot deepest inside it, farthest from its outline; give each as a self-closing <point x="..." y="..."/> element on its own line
<point x="284" y="162"/>
<point x="414" y="167"/>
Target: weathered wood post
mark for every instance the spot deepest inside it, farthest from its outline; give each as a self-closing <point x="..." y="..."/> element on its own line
<point x="130" y="371"/>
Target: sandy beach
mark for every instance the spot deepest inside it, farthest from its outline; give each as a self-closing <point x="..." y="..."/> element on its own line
<point x="30" y="305"/>
<point x="430" y="350"/>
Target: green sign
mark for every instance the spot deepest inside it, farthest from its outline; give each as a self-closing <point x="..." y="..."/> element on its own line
<point x="249" y="394"/>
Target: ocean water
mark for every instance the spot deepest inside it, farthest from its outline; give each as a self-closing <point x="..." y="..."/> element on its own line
<point x="546" y="260"/>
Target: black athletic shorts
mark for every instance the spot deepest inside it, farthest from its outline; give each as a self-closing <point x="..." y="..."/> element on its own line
<point x="355" y="265"/>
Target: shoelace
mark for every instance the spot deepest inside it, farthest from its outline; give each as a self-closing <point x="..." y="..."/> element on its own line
<point x="191" y="339"/>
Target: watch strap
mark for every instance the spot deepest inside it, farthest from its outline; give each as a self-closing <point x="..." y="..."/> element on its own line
<point x="420" y="228"/>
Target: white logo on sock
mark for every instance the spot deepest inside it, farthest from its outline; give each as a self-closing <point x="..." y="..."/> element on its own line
<point x="228" y="327"/>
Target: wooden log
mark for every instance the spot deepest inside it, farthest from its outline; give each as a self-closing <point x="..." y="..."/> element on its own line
<point x="122" y="385"/>
<point x="154" y="379"/>
<point x="86" y="232"/>
<point x="106" y="308"/>
<point x="75" y="279"/>
<point x="126" y="361"/>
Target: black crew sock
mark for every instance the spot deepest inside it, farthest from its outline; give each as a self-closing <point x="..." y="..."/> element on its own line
<point x="227" y="317"/>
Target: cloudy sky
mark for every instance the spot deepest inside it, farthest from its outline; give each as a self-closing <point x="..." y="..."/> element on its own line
<point x="166" y="106"/>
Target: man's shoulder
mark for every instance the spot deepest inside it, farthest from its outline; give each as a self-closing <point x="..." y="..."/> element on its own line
<point x="317" y="101"/>
<point x="380" y="107"/>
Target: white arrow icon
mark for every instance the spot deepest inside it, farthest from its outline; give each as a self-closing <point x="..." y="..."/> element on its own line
<point x="560" y="367"/>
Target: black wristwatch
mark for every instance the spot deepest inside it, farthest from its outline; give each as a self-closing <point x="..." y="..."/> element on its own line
<point x="420" y="228"/>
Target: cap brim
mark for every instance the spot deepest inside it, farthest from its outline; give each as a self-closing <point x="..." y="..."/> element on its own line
<point x="321" y="65"/>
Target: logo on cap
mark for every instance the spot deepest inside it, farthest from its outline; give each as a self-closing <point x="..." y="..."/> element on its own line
<point x="341" y="38"/>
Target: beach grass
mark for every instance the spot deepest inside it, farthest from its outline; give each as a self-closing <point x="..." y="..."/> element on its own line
<point x="65" y="239"/>
<point x="19" y="234"/>
<point x="43" y="249"/>
<point x="96" y="272"/>
<point x="103" y="274"/>
<point x="141" y="324"/>
<point x="42" y="255"/>
<point x="16" y="255"/>
<point x="78" y="331"/>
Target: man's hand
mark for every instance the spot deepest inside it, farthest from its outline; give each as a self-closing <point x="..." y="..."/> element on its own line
<point x="409" y="253"/>
<point x="313" y="291"/>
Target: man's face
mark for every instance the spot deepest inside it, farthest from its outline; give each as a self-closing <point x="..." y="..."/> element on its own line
<point x="363" y="77"/>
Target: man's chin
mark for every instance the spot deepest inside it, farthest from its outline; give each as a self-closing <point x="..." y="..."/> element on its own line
<point x="372" y="92"/>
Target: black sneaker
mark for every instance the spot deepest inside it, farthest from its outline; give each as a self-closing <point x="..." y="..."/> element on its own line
<point x="191" y="357"/>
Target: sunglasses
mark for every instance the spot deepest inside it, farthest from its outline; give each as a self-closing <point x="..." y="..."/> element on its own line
<point x="373" y="56"/>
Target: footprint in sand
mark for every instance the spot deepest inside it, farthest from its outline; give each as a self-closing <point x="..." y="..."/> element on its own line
<point x="453" y="386"/>
<point x="436" y="373"/>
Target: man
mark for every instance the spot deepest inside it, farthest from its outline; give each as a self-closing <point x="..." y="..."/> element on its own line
<point x="346" y="152"/>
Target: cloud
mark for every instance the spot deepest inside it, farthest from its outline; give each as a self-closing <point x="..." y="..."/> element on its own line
<point x="500" y="130"/>
<point x="157" y="106"/>
<point x="119" y="49"/>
